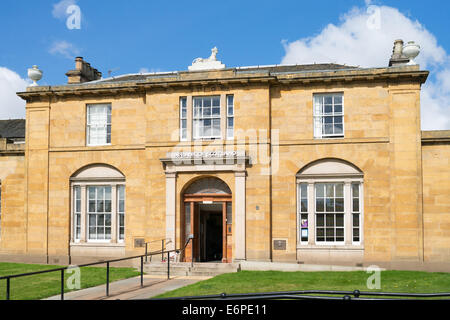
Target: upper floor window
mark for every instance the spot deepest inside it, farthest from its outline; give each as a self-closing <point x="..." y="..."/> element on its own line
<point x="329" y="115"/>
<point x="183" y="119"/>
<point x="230" y="116"/>
<point x="98" y="124"/>
<point x="206" y="117"/>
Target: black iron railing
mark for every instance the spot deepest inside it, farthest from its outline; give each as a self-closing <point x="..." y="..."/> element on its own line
<point x="317" y="295"/>
<point x="107" y="262"/>
<point x="164" y="243"/>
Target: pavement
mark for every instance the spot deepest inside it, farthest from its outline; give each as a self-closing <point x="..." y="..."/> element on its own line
<point x="130" y="289"/>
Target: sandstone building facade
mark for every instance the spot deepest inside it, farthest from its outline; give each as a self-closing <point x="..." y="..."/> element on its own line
<point x="318" y="163"/>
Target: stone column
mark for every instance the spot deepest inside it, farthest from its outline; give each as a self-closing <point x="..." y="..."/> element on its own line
<point x="171" y="179"/>
<point x="239" y="198"/>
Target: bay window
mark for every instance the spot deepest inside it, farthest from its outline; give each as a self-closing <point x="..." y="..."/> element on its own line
<point x="329" y="204"/>
<point x="98" y="205"/>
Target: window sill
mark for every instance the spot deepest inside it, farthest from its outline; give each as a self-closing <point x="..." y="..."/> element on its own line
<point x="330" y="247"/>
<point x="97" y="244"/>
<point x="98" y="145"/>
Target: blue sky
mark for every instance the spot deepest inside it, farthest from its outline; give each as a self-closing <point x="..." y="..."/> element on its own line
<point x="164" y="36"/>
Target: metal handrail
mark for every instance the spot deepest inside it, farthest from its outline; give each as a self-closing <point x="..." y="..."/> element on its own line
<point x="107" y="262"/>
<point x="163" y="246"/>
<point x="307" y="295"/>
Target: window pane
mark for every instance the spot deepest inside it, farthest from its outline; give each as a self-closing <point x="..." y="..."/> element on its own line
<point x="100" y="207"/>
<point x="304" y="205"/>
<point x="355" y="190"/>
<point x="339" y="204"/>
<point x="329" y="205"/>
<point x="339" y="220"/>
<point x="320" y="234"/>
<point x="107" y="205"/>
<point x="356" y="220"/>
<point x="355" y="205"/>
<point x="216" y="101"/>
<point x="216" y="111"/>
<point x="320" y="220"/>
<point x="340" y="190"/>
<point x="320" y="205"/>
<point x="320" y="190"/>
<point x="328" y="128"/>
<point x="330" y="190"/>
<point x="330" y="220"/>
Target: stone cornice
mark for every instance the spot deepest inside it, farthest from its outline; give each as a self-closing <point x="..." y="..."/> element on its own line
<point x="436" y="137"/>
<point x="228" y="77"/>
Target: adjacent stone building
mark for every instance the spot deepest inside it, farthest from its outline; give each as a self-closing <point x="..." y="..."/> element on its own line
<point x="319" y="163"/>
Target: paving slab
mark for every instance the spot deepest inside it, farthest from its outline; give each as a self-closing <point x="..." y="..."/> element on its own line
<point x="130" y="289"/>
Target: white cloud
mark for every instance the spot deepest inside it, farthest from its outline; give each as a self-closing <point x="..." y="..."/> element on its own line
<point x="59" y="9"/>
<point x="64" y="48"/>
<point x="365" y="37"/>
<point x="11" y="106"/>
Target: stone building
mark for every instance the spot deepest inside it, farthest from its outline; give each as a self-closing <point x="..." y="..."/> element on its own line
<point x="319" y="163"/>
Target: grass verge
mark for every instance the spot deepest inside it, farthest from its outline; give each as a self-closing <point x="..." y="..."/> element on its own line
<point x="271" y="281"/>
<point x="49" y="284"/>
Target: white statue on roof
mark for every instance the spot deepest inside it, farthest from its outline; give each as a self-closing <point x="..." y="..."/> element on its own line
<point x="210" y="63"/>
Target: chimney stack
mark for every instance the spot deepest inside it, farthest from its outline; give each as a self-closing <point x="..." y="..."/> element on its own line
<point x="83" y="72"/>
<point x="398" y="58"/>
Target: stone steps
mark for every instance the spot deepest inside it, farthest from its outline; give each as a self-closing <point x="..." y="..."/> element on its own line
<point x="186" y="269"/>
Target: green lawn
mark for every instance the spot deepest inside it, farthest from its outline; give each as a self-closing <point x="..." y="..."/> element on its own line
<point x="49" y="284"/>
<point x="268" y="281"/>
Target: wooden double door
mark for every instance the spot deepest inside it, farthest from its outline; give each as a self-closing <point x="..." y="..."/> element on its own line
<point x="208" y="218"/>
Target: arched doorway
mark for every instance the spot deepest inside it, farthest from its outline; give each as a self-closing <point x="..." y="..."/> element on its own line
<point x="207" y="217"/>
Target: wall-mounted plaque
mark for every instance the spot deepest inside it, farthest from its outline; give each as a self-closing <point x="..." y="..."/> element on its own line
<point x="279" y="244"/>
<point x="139" y="242"/>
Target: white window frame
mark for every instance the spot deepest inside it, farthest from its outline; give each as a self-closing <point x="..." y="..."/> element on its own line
<point x="119" y="213"/>
<point x="196" y="118"/>
<point x="359" y="212"/>
<point x="348" y="212"/>
<point x="84" y="233"/>
<point x="105" y="126"/>
<point x="183" y="129"/>
<point x="319" y="116"/>
<point x="230" y="131"/>
<point x="316" y="213"/>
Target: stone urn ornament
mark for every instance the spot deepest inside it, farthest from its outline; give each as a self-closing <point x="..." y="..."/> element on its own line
<point x="34" y="74"/>
<point x="411" y="50"/>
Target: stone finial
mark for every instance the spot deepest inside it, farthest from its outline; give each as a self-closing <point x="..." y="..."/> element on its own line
<point x="35" y="75"/>
<point x="83" y="72"/>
